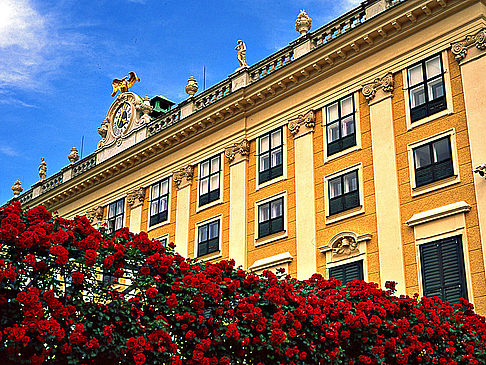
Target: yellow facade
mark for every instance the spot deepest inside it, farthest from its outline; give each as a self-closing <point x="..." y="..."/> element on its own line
<point x="363" y="205"/>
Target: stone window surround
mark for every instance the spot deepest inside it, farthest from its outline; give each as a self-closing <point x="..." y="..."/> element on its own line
<point x="149" y="188"/>
<point x="454" y="179"/>
<point x="271" y="128"/>
<point x="125" y="208"/>
<point x="276" y="236"/>
<point x="213" y="255"/>
<point x="221" y="179"/>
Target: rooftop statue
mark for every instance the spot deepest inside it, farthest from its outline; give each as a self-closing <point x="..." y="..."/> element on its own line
<point x="241" y="55"/>
<point x="42" y="170"/>
<point x="124" y="84"/>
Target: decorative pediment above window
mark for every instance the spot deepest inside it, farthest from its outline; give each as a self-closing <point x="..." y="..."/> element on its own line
<point x="344" y="245"/>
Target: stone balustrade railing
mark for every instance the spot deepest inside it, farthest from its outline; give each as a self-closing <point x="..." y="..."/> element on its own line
<point x="212" y="94"/>
<point x="25" y="197"/>
<point x="84" y="165"/>
<point x="165" y="121"/>
<point x="271" y="64"/>
<point x="52" y="182"/>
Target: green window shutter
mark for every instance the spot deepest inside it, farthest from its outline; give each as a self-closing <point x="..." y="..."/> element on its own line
<point x="347" y="272"/>
<point x="443" y="272"/>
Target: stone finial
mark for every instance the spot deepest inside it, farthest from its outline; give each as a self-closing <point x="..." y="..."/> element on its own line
<point x="73" y="156"/>
<point x="95" y="214"/>
<point x="136" y="197"/>
<point x="307" y="120"/>
<point x="385" y="83"/>
<point x="192" y="86"/>
<point x="460" y="49"/>
<point x="42" y="170"/>
<point x="303" y="23"/>
<point x="241" y="55"/>
<point x="183" y="176"/>
<point x="242" y="148"/>
<point x="17" y="188"/>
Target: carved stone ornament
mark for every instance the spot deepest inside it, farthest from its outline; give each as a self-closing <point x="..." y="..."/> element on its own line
<point x="303" y="23"/>
<point x="144" y="108"/>
<point x="242" y="148"/>
<point x="385" y="83"/>
<point x="94" y="215"/>
<point x="308" y="120"/>
<point x="480" y="170"/>
<point x="17" y="188"/>
<point x="183" y="176"/>
<point x="459" y="49"/>
<point x="136" y="197"/>
<point x="192" y="86"/>
<point x="42" y="170"/>
<point x="345" y="246"/>
<point x="73" y="156"/>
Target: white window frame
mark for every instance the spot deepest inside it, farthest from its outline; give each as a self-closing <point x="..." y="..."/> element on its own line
<point x="275" y="236"/>
<point x="447" y="86"/>
<point x="160" y="224"/>
<point x="164" y="236"/>
<point x="357" y="127"/>
<point x="221" y="180"/>
<point x="350" y="212"/>
<point x="213" y="255"/>
<point x="124" y="209"/>
<point x="284" y="157"/>
<point x="454" y="179"/>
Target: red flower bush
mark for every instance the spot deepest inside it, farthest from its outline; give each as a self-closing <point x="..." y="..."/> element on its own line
<point x="56" y="307"/>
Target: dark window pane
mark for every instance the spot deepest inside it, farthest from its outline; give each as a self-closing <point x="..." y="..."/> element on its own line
<point x="340" y="125"/>
<point x="347" y="272"/>
<point x="270" y="161"/>
<point x="270" y="217"/>
<point x="433" y="162"/>
<point x="343" y="192"/>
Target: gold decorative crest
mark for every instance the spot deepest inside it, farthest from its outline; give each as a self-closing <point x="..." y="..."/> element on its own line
<point x="124" y="84"/>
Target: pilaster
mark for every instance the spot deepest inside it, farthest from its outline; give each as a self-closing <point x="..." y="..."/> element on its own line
<point x="183" y="181"/>
<point x="379" y="94"/>
<point x="302" y="130"/>
<point x="135" y="199"/>
<point x="470" y="53"/>
<point x="237" y="156"/>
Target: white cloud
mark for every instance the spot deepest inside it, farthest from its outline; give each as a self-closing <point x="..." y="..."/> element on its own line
<point x="9" y="151"/>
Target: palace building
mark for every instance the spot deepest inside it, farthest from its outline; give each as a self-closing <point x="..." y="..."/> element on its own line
<point x="357" y="151"/>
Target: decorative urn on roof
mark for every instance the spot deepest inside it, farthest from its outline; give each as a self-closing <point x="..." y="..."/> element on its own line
<point x="303" y="23"/>
<point x="17" y="188"/>
<point x="192" y="86"/>
<point x="74" y="155"/>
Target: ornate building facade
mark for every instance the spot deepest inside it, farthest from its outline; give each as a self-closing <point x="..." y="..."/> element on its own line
<point x="351" y="152"/>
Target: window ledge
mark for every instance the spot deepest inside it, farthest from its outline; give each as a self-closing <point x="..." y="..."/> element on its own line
<point x="269" y="262"/>
<point x="209" y="205"/>
<point x="438" y="213"/>
<point x="270" y="182"/>
<point x="430" y="118"/>
<point x="210" y="256"/>
<point x="158" y="225"/>
<point x="341" y="153"/>
<point x="270" y="238"/>
<point x="344" y="215"/>
<point x="451" y="180"/>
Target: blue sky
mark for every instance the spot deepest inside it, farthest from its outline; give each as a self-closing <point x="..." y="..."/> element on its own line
<point x="58" y="58"/>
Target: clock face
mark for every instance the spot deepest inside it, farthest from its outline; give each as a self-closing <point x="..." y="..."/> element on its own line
<point x="121" y="119"/>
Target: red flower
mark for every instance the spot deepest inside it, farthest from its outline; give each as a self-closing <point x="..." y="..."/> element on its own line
<point x="151" y="292"/>
<point x="145" y="270"/>
<point x="78" y="277"/>
<point x="90" y="257"/>
<point x="278" y="336"/>
<point x="171" y="301"/>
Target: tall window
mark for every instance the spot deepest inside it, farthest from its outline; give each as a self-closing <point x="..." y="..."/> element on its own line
<point x="343" y="192"/>
<point x="209" y="178"/>
<point x="159" y="202"/>
<point x="433" y="161"/>
<point x="347" y="272"/>
<point x="443" y="273"/>
<point x="340" y="125"/>
<point x="208" y="238"/>
<point x="426" y="88"/>
<point x="270" y="161"/>
<point x="270" y="217"/>
<point x="116" y="211"/>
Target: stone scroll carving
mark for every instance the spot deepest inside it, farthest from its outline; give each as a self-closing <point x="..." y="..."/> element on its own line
<point x="183" y="176"/>
<point x="384" y="83"/>
<point x="242" y="148"/>
<point x="308" y="120"/>
<point x="95" y="214"/>
<point x="346" y="245"/>
<point x="460" y="49"/>
<point x="136" y="197"/>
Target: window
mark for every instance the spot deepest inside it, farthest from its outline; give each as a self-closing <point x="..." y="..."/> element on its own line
<point x="270" y="158"/>
<point x="208" y="238"/>
<point x="270" y="217"/>
<point x="209" y="180"/>
<point x="426" y="88"/>
<point x="343" y="192"/>
<point x="433" y="161"/>
<point x="159" y="202"/>
<point x="340" y="125"/>
<point x="108" y="277"/>
<point x="115" y="215"/>
<point x="443" y="273"/>
<point x="347" y="272"/>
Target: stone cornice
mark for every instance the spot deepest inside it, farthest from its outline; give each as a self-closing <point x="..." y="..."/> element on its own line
<point x="136" y="197"/>
<point x="460" y="49"/>
<point x="389" y="26"/>
<point x="384" y="83"/>
<point x="238" y="151"/>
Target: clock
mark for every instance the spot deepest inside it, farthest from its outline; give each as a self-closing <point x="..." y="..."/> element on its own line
<point x="122" y="118"/>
